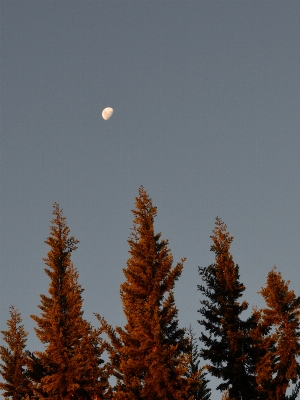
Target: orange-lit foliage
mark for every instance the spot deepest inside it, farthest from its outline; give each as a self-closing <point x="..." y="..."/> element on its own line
<point x="150" y="355"/>
<point x="13" y="357"/>
<point x="71" y="359"/>
<point x="277" y="336"/>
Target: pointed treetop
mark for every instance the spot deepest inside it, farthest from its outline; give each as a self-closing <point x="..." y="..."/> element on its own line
<point x="144" y="214"/>
<point x="13" y="357"/>
<point x="221" y="238"/>
<point x="59" y="232"/>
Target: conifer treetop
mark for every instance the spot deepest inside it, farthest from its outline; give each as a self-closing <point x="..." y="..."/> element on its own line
<point x="226" y="336"/>
<point x="13" y="358"/>
<point x="70" y="362"/>
<point x="277" y="335"/>
<point x="149" y="355"/>
<point x="59" y="241"/>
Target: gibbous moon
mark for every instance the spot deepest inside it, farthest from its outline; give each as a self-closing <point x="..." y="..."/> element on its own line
<point x="107" y="113"/>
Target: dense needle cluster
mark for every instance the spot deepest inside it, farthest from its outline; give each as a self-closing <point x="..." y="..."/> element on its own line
<point x="150" y="354"/>
<point x="152" y="357"/>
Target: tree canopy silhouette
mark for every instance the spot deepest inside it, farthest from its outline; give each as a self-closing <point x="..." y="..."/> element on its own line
<point x="150" y="354"/>
<point x="72" y="356"/>
<point x="152" y="357"/>
<point x="226" y="337"/>
<point x="277" y="338"/>
<point x="13" y="369"/>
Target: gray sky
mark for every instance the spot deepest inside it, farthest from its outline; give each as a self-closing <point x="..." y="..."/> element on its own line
<point x="206" y="117"/>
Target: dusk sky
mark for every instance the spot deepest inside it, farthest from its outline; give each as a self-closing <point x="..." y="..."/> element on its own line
<point x="206" y="99"/>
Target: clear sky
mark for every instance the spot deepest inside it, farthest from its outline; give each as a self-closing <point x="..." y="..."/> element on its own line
<point x="206" y="98"/>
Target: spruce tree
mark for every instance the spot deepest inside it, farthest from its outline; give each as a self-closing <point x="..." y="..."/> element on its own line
<point x="13" y="357"/>
<point x="226" y="337"/>
<point x="277" y="339"/>
<point x="69" y="366"/>
<point x="150" y="354"/>
<point x="198" y="387"/>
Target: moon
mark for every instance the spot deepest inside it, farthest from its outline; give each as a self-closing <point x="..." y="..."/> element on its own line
<point x="107" y="113"/>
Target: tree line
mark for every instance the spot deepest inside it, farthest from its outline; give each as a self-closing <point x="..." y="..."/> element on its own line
<point x="152" y="357"/>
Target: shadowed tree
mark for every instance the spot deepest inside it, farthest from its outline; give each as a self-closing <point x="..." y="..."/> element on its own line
<point x="13" y="357"/>
<point x="226" y="337"/>
<point x="198" y="387"/>
<point x="277" y="339"/>
<point x="150" y="354"/>
<point x="69" y="367"/>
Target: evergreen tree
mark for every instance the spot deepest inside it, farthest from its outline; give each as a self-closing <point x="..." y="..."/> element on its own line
<point x="69" y="366"/>
<point x="150" y="355"/>
<point x="227" y="340"/>
<point x="198" y="388"/>
<point x="13" y="357"/>
<point x="277" y="337"/>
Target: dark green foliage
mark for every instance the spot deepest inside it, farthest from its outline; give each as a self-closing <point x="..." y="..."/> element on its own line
<point x="226" y="336"/>
<point x="13" y="367"/>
